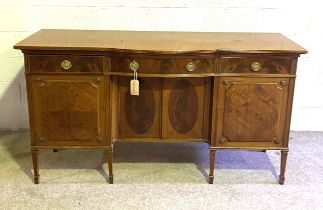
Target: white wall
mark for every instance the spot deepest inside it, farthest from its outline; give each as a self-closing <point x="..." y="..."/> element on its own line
<point x="301" y="21"/>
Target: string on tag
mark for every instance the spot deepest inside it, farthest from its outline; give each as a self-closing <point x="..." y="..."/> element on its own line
<point x="135" y="75"/>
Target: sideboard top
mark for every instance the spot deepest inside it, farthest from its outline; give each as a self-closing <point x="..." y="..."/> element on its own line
<point x="163" y="42"/>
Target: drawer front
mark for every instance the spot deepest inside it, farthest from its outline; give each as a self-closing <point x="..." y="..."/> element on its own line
<point x="66" y="63"/>
<point x="162" y="65"/>
<point x="260" y="65"/>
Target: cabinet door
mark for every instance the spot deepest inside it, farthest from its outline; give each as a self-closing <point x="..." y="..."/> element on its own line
<point x="67" y="110"/>
<point x="139" y="115"/>
<point x="251" y="111"/>
<point x="186" y="104"/>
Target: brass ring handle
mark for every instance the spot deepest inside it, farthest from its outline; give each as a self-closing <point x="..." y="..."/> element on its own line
<point x="134" y="65"/>
<point x="66" y="64"/>
<point x="190" y="66"/>
<point x="255" y="66"/>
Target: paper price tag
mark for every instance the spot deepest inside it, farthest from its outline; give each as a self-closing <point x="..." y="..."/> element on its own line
<point x="134" y="87"/>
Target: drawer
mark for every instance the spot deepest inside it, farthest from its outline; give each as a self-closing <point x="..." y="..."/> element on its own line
<point x="260" y="65"/>
<point x="162" y="65"/>
<point x="66" y="63"/>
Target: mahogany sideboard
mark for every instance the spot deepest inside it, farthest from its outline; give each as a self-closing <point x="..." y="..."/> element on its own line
<point x="229" y="90"/>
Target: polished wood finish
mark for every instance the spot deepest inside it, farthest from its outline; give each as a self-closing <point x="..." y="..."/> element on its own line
<point x="68" y="110"/>
<point x="212" y="162"/>
<point x="159" y="42"/>
<point x="52" y="63"/>
<point x="167" y="109"/>
<point x="269" y="65"/>
<point x="140" y="116"/>
<point x="230" y="90"/>
<point x="186" y="108"/>
<point x="251" y="110"/>
<point x="162" y="64"/>
<point x="34" y="155"/>
<point x="110" y="160"/>
<point x="283" y="166"/>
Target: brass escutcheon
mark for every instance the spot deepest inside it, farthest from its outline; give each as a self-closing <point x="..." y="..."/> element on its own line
<point x="276" y="140"/>
<point x="42" y="139"/>
<point x="40" y="81"/>
<point x="96" y="82"/>
<point x="255" y="66"/>
<point x="66" y="64"/>
<point x="134" y="65"/>
<point x="190" y="66"/>
<point x="222" y="140"/>
<point x="226" y="83"/>
<point x="99" y="139"/>
<point x="282" y="83"/>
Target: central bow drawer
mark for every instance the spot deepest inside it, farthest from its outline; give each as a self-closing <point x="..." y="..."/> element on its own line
<point x="161" y="65"/>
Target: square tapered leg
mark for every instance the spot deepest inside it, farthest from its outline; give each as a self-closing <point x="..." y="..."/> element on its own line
<point x="34" y="155"/>
<point x="212" y="161"/>
<point x="110" y="160"/>
<point x="283" y="167"/>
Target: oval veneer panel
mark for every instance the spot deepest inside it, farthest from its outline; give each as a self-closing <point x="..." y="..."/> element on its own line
<point x="140" y="110"/>
<point x="183" y="106"/>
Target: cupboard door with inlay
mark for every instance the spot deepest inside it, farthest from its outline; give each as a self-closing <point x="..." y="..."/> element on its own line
<point x="67" y="110"/>
<point x="251" y="111"/>
<point x="139" y="115"/>
<point x="186" y="107"/>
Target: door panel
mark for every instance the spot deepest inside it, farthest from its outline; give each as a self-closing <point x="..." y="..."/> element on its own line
<point x="251" y="110"/>
<point x="68" y="110"/>
<point x="186" y="107"/>
<point x="140" y="115"/>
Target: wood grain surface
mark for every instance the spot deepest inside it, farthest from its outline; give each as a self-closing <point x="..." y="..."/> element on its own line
<point x="252" y="110"/>
<point x="222" y="101"/>
<point x="162" y="64"/>
<point x="269" y="65"/>
<point x="52" y="63"/>
<point x="162" y="42"/>
<point x="68" y="110"/>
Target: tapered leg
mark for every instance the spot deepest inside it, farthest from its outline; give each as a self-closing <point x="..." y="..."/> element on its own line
<point x="212" y="160"/>
<point x="283" y="167"/>
<point x="110" y="159"/>
<point x="34" y="155"/>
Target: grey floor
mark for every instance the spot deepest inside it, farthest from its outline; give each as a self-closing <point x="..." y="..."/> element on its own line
<point x="161" y="176"/>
